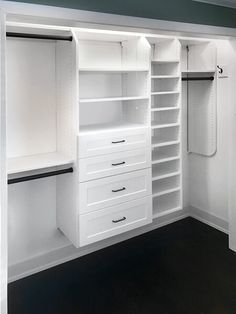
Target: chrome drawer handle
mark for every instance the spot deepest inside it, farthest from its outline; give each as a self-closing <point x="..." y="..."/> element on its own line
<point x="119" y="220"/>
<point x="117" y="142"/>
<point x="119" y="163"/>
<point x="119" y="190"/>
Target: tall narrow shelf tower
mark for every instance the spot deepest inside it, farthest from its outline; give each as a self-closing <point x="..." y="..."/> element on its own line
<point x="166" y="126"/>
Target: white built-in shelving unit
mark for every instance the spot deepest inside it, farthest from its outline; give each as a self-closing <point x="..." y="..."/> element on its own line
<point x="166" y="126"/>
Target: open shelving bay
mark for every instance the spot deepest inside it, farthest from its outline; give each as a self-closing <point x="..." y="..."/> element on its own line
<point x="166" y="126"/>
<point x="113" y="82"/>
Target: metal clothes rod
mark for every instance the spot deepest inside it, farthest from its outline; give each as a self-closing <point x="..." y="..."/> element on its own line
<point x="39" y="36"/>
<point x="209" y="78"/>
<point x="40" y="175"/>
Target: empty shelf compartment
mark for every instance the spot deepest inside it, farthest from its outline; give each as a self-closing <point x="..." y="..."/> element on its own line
<point x="166" y="204"/>
<point x="99" y="85"/>
<point x="165" y="100"/>
<point x="165" y="169"/>
<point x="165" y="117"/>
<point x="160" y="154"/>
<point x="165" y="68"/>
<point x="165" y="85"/>
<point x="106" y="115"/>
<point x="165" y="186"/>
<point x="160" y="136"/>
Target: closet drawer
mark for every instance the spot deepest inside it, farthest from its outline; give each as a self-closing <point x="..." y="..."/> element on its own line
<point x="97" y="194"/>
<point x="112" y="164"/>
<point x="114" y="220"/>
<point x="112" y="142"/>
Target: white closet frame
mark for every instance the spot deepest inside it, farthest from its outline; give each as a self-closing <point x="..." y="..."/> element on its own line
<point x="39" y="11"/>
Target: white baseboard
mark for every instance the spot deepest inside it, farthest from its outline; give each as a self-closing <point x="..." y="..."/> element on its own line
<point x="209" y="219"/>
<point x="68" y="253"/>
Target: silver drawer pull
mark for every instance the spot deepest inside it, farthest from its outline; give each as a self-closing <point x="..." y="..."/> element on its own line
<point x="119" y="190"/>
<point x="117" y="142"/>
<point x="119" y="163"/>
<point x="119" y="220"/>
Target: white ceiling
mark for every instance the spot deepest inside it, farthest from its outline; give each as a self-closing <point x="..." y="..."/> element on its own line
<point x="224" y="3"/>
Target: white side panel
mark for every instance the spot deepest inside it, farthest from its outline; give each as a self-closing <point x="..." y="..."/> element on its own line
<point x="67" y="194"/>
<point x="66" y="87"/>
<point x="3" y="176"/>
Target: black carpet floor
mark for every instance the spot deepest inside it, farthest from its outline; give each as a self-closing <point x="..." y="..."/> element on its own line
<point x="184" y="268"/>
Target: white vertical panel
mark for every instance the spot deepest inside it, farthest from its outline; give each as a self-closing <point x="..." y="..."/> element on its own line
<point x="3" y="176"/>
<point x="232" y="149"/>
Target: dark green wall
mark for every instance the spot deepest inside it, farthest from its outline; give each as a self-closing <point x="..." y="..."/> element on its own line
<point x="174" y="10"/>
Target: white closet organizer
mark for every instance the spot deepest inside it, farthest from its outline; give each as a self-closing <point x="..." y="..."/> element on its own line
<point x="106" y="106"/>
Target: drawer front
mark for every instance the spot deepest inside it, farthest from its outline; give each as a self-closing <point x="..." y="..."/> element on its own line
<point x="111" y="221"/>
<point x="112" y="164"/>
<point x="97" y="194"/>
<point x="112" y="142"/>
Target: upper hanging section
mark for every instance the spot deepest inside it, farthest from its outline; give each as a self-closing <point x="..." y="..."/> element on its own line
<point x="41" y="98"/>
<point x="198" y="62"/>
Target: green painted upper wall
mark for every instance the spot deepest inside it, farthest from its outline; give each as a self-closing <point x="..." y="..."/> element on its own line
<point x="173" y="10"/>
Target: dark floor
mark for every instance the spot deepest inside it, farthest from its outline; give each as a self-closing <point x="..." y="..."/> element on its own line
<point x="183" y="268"/>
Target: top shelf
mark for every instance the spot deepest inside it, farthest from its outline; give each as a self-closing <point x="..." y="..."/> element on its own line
<point x="37" y="162"/>
<point x="113" y="70"/>
<point x="165" y="61"/>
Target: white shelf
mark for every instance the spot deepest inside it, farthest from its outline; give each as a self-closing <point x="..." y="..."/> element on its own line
<point x="108" y="127"/>
<point x="162" y="144"/>
<point x="167" y="212"/>
<point x="36" y="162"/>
<point x="91" y="100"/>
<point x="198" y="71"/>
<point x="165" y="76"/>
<point x="165" y="61"/>
<point x="164" y="109"/>
<point x="168" y="175"/>
<point x="114" y="70"/>
<point x="166" y="125"/>
<point x="169" y="191"/>
<point x="159" y="161"/>
<point x="165" y="93"/>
